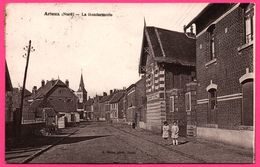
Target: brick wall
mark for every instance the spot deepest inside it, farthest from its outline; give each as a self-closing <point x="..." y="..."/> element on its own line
<point x="230" y="65"/>
<point x="140" y="95"/>
<point x="179" y="113"/>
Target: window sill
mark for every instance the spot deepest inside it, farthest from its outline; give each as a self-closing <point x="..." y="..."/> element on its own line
<point x="243" y="127"/>
<point x="239" y="49"/>
<point x="213" y="61"/>
<point x="212" y="125"/>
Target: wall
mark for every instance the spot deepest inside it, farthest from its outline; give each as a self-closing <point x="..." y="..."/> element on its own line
<point x="140" y="97"/>
<point x="225" y="72"/>
<point x="63" y="96"/>
<point x="241" y="138"/>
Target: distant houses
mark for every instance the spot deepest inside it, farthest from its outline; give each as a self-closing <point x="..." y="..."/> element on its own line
<point x="89" y="109"/>
<point x="55" y="95"/>
<point x="116" y="106"/>
<point x="135" y="103"/>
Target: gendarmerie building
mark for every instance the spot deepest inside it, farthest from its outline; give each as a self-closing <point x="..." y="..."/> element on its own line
<point x="225" y="73"/>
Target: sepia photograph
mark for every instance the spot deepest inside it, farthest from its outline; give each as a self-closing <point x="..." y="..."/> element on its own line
<point x="130" y="83"/>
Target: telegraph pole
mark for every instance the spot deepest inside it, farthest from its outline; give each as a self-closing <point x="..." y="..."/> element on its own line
<point x="28" y="49"/>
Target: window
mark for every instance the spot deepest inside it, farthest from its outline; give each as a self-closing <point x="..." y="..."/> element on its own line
<point x="212" y="46"/>
<point x="212" y="116"/>
<point x="188" y="101"/>
<point x="249" y="23"/>
<point x="171" y="106"/>
<point x="213" y="99"/>
<point x="211" y="30"/>
<point x="248" y="104"/>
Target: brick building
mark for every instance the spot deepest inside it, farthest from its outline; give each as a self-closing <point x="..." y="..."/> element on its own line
<point x="225" y="73"/>
<point x="58" y="96"/>
<point x="27" y="116"/>
<point x="135" y="103"/>
<point x="97" y="107"/>
<point x="116" y="106"/>
<point x="89" y="108"/>
<point x="105" y="106"/>
<point x="168" y="62"/>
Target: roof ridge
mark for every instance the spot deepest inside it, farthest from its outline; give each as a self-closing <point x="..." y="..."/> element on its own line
<point x="165" y="29"/>
<point x="160" y="42"/>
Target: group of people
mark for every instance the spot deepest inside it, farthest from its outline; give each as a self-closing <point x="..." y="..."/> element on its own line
<point x="174" y="129"/>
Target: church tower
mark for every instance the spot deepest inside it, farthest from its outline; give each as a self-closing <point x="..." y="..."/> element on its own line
<point x="82" y="94"/>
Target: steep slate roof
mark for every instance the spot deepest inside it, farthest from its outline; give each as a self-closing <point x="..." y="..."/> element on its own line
<point x="106" y="98"/>
<point x="209" y="8"/>
<point x="169" y="47"/>
<point x="8" y="83"/>
<point x="130" y="87"/>
<point x="58" y="104"/>
<point x="42" y="91"/>
<point x="117" y="96"/>
<point x="200" y="14"/>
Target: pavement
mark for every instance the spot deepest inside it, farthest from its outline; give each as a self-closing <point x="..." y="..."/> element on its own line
<point x="24" y="150"/>
<point x="202" y="150"/>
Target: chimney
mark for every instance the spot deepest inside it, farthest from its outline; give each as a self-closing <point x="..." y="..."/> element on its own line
<point x="190" y="33"/>
<point x="104" y="94"/>
<point x="191" y="29"/>
<point x="67" y="82"/>
<point x="34" y="90"/>
<point x="52" y="82"/>
<point x="43" y="83"/>
<point x="124" y="88"/>
<point x="111" y="91"/>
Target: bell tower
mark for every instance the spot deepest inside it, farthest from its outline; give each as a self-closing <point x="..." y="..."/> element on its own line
<point x="82" y="94"/>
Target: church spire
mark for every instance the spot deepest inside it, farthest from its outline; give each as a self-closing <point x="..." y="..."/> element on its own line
<point x="81" y="83"/>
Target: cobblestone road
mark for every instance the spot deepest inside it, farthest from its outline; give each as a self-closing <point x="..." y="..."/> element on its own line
<point x="115" y="143"/>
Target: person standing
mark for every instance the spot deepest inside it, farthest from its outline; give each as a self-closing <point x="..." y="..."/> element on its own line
<point x="175" y="133"/>
<point x="166" y="129"/>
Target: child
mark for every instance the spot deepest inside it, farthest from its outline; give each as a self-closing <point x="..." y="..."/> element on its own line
<point x="166" y="129"/>
<point x="175" y="131"/>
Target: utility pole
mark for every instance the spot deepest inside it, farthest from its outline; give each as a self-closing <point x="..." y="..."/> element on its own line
<point x="28" y="49"/>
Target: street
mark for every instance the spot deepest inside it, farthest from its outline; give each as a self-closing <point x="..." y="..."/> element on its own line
<point x="100" y="142"/>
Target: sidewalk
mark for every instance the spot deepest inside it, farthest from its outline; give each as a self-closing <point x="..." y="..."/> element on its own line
<point x="25" y="149"/>
<point x="203" y="150"/>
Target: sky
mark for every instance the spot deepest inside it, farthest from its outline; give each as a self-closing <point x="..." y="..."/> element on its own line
<point x="106" y="50"/>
